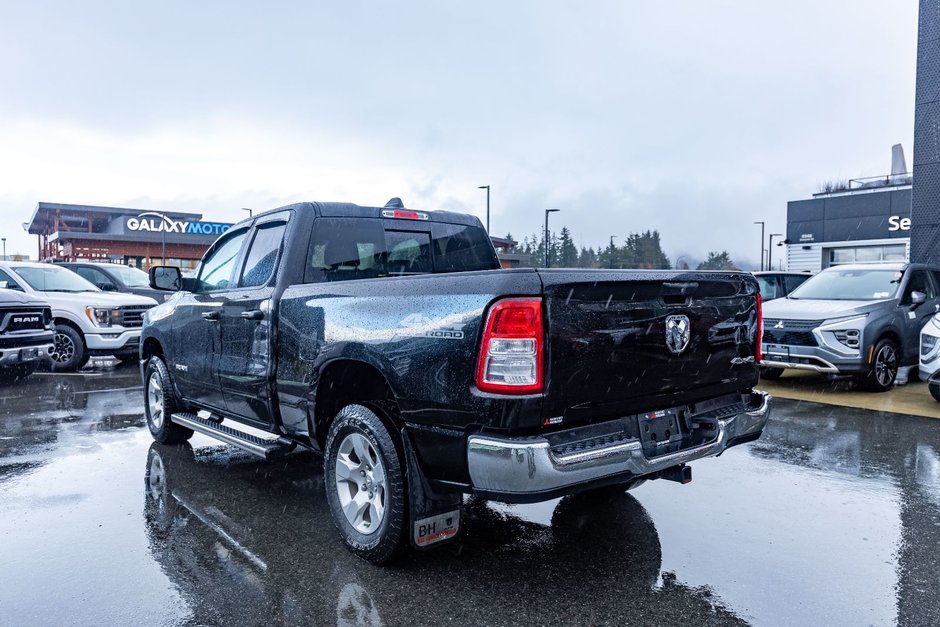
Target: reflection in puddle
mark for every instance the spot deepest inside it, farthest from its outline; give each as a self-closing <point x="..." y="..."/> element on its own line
<point x="259" y="537"/>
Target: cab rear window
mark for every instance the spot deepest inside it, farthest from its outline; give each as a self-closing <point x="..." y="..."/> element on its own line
<point x="344" y="249"/>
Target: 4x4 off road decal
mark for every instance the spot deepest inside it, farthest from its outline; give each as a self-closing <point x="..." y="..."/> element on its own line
<point x="419" y="325"/>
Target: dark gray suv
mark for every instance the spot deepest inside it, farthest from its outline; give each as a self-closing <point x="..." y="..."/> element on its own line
<point x="862" y="320"/>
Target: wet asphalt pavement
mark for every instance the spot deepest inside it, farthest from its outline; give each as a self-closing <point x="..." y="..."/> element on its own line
<point x="833" y="517"/>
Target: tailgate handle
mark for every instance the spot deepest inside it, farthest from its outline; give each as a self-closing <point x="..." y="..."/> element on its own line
<point x="678" y="293"/>
<point x="682" y="288"/>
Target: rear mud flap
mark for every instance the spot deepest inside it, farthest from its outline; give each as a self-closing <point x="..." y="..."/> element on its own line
<point x="435" y="518"/>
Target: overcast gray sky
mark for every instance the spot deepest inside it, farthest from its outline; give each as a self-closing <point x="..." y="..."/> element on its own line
<point x="694" y="118"/>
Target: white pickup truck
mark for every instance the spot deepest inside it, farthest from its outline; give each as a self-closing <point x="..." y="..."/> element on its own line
<point x="88" y="321"/>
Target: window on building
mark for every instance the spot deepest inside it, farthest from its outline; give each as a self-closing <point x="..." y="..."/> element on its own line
<point x="867" y="254"/>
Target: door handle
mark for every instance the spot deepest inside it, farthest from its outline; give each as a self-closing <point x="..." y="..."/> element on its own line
<point x="210" y="315"/>
<point x="255" y="314"/>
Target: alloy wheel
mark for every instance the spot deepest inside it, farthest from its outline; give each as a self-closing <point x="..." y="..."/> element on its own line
<point x="886" y="365"/>
<point x="63" y="348"/>
<point x="360" y="483"/>
<point x="155" y="400"/>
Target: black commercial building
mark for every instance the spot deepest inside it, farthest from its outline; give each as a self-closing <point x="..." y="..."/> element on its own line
<point x="925" y="214"/>
<point x="866" y="221"/>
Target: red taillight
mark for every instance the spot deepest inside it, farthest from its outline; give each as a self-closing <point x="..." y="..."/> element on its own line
<point x="510" y="359"/>
<point x="760" y="328"/>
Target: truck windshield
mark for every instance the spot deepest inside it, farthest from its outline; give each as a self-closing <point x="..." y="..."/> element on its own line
<point x="344" y="249"/>
<point x="54" y="279"/>
<point x="849" y="284"/>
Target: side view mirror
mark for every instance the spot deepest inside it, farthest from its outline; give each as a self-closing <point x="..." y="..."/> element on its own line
<point x="918" y="299"/>
<point x="166" y="278"/>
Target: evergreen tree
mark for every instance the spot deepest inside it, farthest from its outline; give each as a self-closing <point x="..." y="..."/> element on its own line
<point x="587" y="258"/>
<point x="567" y="251"/>
<point x="718" y="261"/>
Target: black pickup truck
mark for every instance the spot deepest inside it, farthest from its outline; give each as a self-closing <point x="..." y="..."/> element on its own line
<point x="389" y="340"/>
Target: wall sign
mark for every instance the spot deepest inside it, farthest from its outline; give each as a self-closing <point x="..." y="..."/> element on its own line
<point x="897" y="223"/>
<point x="159" y="223"/>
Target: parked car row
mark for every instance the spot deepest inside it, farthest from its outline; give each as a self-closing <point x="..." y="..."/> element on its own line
<point x="50" y="313"/>
<point x="867" y="320"/>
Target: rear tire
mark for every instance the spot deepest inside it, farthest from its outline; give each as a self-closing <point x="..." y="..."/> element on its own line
<point x="365" y="485"/>
<point x="69" y="352"/>
<point x="934" y="390"/>
<point x="160" y="403"/>
<point x="771" y="374"/>
<point x="886" y="359"/>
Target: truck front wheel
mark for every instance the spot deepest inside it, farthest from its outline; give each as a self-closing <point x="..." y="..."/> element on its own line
<point x="886" y="358"/>
<point x="365" y="487"/>
<point x="68" y="352"/>
<point x="160" y="403"/>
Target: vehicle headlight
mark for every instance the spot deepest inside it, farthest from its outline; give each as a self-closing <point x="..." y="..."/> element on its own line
<point x="927" y="343"/>
<point x="101" y="316"/>
<point x="847" y="331"/>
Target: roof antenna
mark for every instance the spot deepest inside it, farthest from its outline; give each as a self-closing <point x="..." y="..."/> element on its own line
<point x="395" y="203"/>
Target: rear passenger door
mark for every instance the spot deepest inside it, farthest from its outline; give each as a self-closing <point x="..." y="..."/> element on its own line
<point x="245" y="359"/>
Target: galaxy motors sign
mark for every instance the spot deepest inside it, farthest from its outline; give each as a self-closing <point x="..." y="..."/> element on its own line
<point x="152" y="222"/>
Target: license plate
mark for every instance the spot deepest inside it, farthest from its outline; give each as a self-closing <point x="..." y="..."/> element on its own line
<point x="28" y="354"/>
<point x="428" y="531"/>
<point x="660" y="431"/>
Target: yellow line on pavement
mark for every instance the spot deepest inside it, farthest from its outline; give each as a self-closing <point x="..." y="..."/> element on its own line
<point x="913" y="399"/>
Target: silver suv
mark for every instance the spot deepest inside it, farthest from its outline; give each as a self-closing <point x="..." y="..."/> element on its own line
<point x="863" y="320"/>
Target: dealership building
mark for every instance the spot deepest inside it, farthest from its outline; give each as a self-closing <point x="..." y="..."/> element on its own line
<point x="132" y="237"/>
<point x="862" y="221"/>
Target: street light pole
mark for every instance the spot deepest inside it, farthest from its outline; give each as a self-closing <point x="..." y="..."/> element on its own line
<point x="770" y="250"/>
<point x="4" y="249"/>
<point x="547" y="260"/>
<point x="761" y="244"/>
<point x="251" y="213"/>
<point x="487" y="188"/>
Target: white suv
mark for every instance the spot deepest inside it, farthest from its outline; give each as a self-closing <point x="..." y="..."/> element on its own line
<point x="88" y="321"/>
<point x="930" y="356"/>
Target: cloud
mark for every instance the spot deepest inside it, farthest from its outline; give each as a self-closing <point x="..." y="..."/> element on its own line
<point x="692" y="118"/>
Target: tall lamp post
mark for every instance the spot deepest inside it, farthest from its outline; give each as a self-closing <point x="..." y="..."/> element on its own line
<point x="4" y="248"/>
<point x="770" y="250"/>
<point x="761" y="244"/>
<point x="251" y="213"/>
<point x="547" y="260"/>
<point x="487" y="188"/>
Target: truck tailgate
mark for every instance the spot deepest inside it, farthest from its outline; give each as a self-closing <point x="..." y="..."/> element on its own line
<point x="608" y="354"/>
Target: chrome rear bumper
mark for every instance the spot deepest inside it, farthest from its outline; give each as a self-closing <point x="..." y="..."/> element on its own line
<point x="524" y="469"/>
